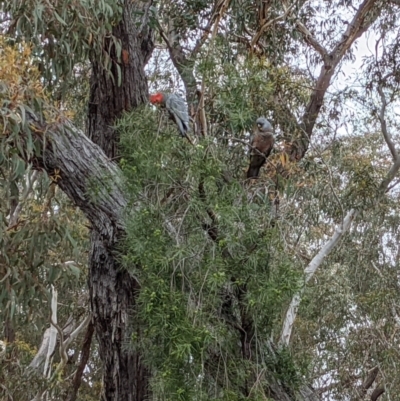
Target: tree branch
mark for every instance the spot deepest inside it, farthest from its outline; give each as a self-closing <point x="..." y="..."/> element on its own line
<point x="361" y="21"/>
<point x="307" y="35"/>
<point x="311" y="40"/>
<point x="309" y="271"/>
<point x="53" y="332"/>
<point x="266" y="24"/>
<point x="370" y="379"/>
<point x="212" y="230"/>
<point x="185" y="63"/>
<point x="85" y="352"/>
<point x="384" y="187"/>
<point x="219" y="9"/>
<point x="65" y="344"/>
<point x="377" y="393"/>
<point x="84" y="173"/>
<point x="382" y="120"/>
<point x="14" y="216"/>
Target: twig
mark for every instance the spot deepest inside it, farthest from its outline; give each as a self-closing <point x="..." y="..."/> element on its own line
<point x="262" y="29"/>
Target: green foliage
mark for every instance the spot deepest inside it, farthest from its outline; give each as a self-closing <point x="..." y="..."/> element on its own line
<point x="186" y="277"/>
<point x="241" y="88"/>
<point x="280" y="364"/>
<point x="64" y="34"/>
<point x="202" y="247"/>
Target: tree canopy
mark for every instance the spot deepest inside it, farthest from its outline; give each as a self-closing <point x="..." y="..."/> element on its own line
<point x="138" y="265"/>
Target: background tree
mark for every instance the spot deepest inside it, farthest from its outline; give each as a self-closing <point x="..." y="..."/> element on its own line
<point x="203" y="296"/>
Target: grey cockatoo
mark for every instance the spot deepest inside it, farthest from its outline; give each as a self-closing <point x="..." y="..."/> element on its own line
<point x="176" y="107"/>
<point x="262" y="142"/>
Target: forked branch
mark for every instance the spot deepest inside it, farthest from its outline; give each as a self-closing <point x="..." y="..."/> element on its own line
<point x="362" y="20"/>
<point x="338" y="234"/>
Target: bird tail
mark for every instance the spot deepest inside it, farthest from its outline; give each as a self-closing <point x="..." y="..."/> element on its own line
<point x="181" y="125"/>
<point x="183" y="128"/>
<point x="253" y="172"/>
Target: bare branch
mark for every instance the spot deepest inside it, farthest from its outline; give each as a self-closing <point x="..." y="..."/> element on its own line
<point x="384" y="187"/>
<point x="201" y="111"/>
<point x="309" y="272"/>
<point x="266" y="24"/>
<point x="370" y="379"/>
<point x="29" y="184"/>
<point x="361" y="21"/>
<point x="85" y="352"/>
<point x="65" y="344"/>
<point x="311" y="40"/>
<point x="389" y="176"/>
<point x="212" y="230"/>
<point x="377" y="393"/>
<point x="307" y="35"/>
<point x="77" y="331"/>
<point x="219" y="9"/>
<point x="382" y="120"/>
<point x="3" y="349"/>
<point x="390" y="187"/>
<point x="254" y="149"/>
<point x="53" y="331"/>
<point x="249" y="146"/>
<point x="184" y="63"/>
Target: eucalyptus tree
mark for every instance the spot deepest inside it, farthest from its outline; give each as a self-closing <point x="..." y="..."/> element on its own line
<point x="240" y="280"/>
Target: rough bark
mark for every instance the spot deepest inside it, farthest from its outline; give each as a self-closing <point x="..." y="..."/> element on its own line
<point x="124" y="86"/>
<point x="93" y="182"/>
<point x="112" y="289"/>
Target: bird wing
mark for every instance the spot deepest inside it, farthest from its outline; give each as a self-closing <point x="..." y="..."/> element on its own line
<point x="263" y="143"/>
<point x="176" y="105"/>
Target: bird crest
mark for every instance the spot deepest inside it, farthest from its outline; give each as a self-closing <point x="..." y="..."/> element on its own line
<point x="157" y="98"/>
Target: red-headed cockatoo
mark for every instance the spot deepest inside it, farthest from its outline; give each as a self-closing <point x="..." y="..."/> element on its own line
<point x="262" y="143"/>
<point x="176" y="107"/>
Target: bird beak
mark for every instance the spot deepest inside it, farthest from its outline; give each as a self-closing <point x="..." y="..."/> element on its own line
<point x="259" y="125"/>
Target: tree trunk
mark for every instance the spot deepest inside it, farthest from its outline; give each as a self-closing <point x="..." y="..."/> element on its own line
<point x="78" y="165"/>
<point x="112" y="289"/>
